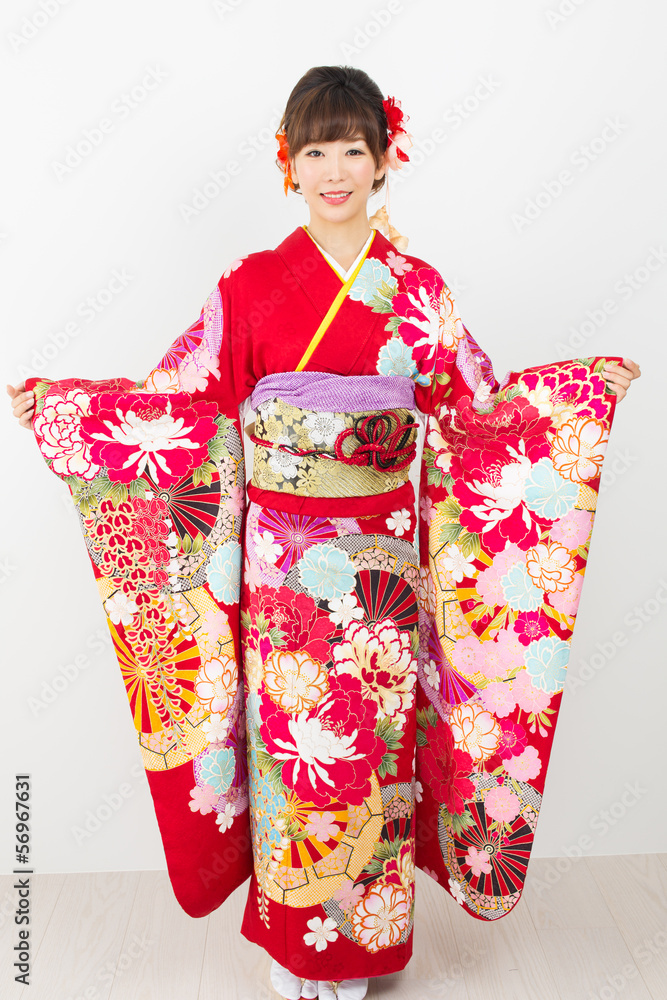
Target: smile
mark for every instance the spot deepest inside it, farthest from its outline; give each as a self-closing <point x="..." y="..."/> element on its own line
<point x="336" y="199"/>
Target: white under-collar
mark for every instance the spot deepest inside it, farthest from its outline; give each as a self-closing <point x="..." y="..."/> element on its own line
<point x="334" y="263"/>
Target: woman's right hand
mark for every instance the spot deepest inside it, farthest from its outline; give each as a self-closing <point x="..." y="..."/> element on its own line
<point x="23" y="404"/>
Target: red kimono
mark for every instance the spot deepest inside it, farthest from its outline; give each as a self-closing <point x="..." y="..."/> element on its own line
<point x="328" y="688"/>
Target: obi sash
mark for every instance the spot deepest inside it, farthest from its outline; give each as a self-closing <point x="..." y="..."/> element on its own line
<point x="318" y="434"/>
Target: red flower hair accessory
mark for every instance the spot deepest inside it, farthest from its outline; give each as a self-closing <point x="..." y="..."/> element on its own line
<point x="283" y="159"/>
<point x="400" y="139"/>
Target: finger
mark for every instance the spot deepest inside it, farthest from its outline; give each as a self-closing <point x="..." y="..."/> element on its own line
<point x="23" y="407"/>
<point x="632" y="366"/>
<point x="618" y="382"/>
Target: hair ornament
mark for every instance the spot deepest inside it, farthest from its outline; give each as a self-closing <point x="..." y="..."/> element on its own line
<point x="283" y="159"/>
<point x="399" y="139"/>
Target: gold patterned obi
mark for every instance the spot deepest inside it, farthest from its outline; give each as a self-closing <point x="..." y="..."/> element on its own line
<point x="314" y="452"/>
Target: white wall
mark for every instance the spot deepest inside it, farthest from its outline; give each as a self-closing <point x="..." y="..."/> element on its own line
<point x="534" y="89"/>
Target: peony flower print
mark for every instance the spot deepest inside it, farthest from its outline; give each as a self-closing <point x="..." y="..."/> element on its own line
<point x="520" y="591"/>
<point x="215" y="684"/>
<point x="295" y="681"/>
<point x="58" y="430"/>
<point x="223" y="573"/>
<point x="217" y="768"/>
<point x="326" y="572"/>
<point x="578" y="449"/>
<point x="548" y="493"/>
<point x="381" y="916"/>
<point x="329" y="750"/>
<point x="380" y="656"/>
<point x="165" y="435"/>
<point x="474" y="730"/>
<point x="546" y="663"/>
<point x="550" y="567"/>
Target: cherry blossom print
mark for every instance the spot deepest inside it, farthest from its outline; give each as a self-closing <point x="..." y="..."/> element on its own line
<point x="381" y="916"/>
<point x="529" y="698"/>
<point x="513" y="738"/>
<point x="322" y="826"/>
<point x="531" y="625"/>
<point x="574" y="529"/>
<point x="344" y="610"/>
<point x="324" y="428"/>
<point x="399" y="265"/>
<point x="456" y="566"/>
<point x="330" y="750"/>
<point x="578" y="449"/>
<point x="216" y="727"/>
<point x="488" y="583"/>
<point x="550" y="566"/>
<point x="524" y="766"/>
<point x="445" y="769"/>
<point x="478" y="861"/>
<point x="349" y="894"/>
<point x="283" y="463"/>
<point x="498" y="699"/>
<point x="266" y="548"/>
<point x="294" y="680"/>
<point x="225" y="818"/>
<point x="216" y="683"/>
<point x="399" y="522"/>
<point x="167" y="435"/>
<point x="474" y="730"/>
<point x="120" y="608"/>
<point x="380" y="656"/>
<point x="321" y="932"/>
<point x="194" y="374"/>
<point x="235" y="264"/>
<point x="203" y="798"/>
<point x="59" y="436"/>
<point x="502" y="804"/>
<point x="567" y="601"/>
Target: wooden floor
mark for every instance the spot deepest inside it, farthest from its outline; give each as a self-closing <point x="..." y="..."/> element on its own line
<point x="595" y="929"/>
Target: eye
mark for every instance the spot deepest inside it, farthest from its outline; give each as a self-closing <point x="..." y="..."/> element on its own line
<point x="355" y="150"/>
<point x="315" y="152"/>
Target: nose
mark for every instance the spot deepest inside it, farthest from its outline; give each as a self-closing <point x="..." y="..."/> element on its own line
<point x="335" y="166"/>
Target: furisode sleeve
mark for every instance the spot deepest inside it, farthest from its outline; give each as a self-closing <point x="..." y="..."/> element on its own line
<point x="509" y="486"/>
<point x="155" y="469"/>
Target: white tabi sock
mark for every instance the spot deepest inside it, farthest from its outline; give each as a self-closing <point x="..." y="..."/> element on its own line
<point x="347" y="989"/>
<point x="289" y="985"/>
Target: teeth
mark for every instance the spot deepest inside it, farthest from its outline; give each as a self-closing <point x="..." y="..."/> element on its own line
<point x="337" y="197"/>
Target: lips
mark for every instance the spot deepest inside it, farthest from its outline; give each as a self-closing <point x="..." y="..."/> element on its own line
<point x="335" y="197"/>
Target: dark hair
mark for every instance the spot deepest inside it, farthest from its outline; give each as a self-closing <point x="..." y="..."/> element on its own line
<point x="336" y="102"/>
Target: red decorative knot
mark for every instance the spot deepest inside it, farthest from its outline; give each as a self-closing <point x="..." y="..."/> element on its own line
<point x="382" y="442"/>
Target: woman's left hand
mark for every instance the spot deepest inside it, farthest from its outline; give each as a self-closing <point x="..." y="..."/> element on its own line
<point x="621" y="377"/>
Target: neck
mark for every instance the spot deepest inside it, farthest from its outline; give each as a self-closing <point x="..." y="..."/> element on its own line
<point x="342" y="240"/>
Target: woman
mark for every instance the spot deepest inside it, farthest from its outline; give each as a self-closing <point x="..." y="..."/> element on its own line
<point x="383" y="684"/>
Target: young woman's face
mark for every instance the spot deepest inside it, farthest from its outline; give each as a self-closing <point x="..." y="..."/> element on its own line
<point x="336" y="178"/>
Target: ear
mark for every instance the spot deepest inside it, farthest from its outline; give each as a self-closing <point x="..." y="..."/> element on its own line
<point x="384" y="166"/>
